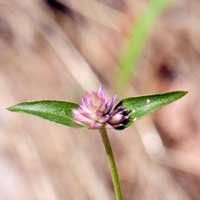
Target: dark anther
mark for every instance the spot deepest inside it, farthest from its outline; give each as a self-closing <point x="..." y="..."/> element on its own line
<point x="120" y="127"/>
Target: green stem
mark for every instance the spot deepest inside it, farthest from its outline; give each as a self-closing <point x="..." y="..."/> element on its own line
<point x="112" y="165"/>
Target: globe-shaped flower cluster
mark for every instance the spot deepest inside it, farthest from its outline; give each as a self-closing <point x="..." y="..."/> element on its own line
<point x="95" y="112"/>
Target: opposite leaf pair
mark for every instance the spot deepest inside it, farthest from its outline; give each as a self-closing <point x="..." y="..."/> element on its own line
<point x="95" y="112"/>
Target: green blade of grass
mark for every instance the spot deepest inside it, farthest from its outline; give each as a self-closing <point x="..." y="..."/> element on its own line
<point x="136" y="41"/>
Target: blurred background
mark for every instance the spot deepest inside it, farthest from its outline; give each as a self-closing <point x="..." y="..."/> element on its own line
<point x="57" y="49"/>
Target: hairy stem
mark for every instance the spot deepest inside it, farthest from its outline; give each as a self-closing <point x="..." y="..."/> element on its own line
<point x="112" y="165"/>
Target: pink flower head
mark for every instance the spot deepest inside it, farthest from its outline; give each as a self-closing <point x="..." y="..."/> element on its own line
<point x="95" y="112"/>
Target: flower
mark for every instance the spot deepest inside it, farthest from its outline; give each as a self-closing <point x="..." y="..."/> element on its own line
<point x="119" y="117"/>
<point x="95" y="112"/>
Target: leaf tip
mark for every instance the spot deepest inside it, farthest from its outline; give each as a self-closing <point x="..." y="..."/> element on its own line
<point x="11" y="108"/>
<point x="182" y="93"/>
<point x="15" y="108"/>
<point x="185" y="92"/>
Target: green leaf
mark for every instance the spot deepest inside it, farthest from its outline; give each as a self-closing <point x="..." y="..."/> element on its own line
<point x="143" y="105"/>
<point x="56" y="111"/>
